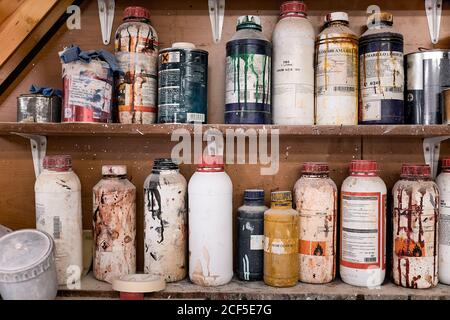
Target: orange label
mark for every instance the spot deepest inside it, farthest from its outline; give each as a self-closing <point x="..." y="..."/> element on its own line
<point x="137" y="108"/>
<point x="409" y="248"/>
<point x="312" y="248"/>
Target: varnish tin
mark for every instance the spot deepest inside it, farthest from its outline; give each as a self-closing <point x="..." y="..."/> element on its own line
<point x="38" y="108"/>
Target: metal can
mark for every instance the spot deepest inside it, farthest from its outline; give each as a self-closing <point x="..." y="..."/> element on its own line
<point x="248" y="74"/>
<point x="427" y="76"/>
<point x="251" y="236"/>
<point x="165" y="222"/>
<point x="443" y="182"/>
<point x="183" y="84"/>
<point x="38" y="108"/>
<point x="415" y="228"/>
<point x="114" y="224"/>
<point x="381" y="72"/>
<point x="315" y="196"/>
<point x="446" y="97"/>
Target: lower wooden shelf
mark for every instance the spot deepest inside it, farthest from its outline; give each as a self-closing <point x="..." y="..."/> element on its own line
<point x="238" y="290"/>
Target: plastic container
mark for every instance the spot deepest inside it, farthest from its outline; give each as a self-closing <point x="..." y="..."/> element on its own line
<point x="27" y="266"/>
<point x="443" y="182"/>
<point x="4" y="231"/>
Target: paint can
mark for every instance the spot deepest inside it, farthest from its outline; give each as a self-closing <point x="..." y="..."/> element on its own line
<point x="446" y="97"/>
<point x="134" y="286"/>
<point x="182" y="84"/>
<point x="38" y="108"/>
<point x="443" y="182"/>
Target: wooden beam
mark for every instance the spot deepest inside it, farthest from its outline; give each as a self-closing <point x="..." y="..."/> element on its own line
<point x="7" y="8"/>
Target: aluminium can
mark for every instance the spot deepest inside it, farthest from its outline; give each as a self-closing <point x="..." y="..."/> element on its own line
<point x="38" y="108"/>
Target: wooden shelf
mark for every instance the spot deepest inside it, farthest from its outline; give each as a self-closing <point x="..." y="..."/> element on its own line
<point x="124" y="130"/>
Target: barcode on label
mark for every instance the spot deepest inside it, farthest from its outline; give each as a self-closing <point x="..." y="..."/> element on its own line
<point x="344" y="88"/>
<point x="195" y="117"/>
<point x="373" y="259"/>
<point x="394" y="89"/>
<point x="56" y="228"/>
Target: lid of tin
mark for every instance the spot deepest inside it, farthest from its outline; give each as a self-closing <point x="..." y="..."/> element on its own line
<point x="416" y="170"/>
<point x="281" y="196"/>
<point x="254" y="194"/>
<point x="183" y="45"/>
<point x="139" y="283"/>
<point x="58" y="163"/>
<point x="366" y="166"/>
<point x="315" y="167"/>
<point x="25" y="254"/>
<point x="114" y="170"/>
<point x="249" y="22"/>
<point x="211" y="163"/>
<point x="136" y="12"/>
<point x="336" y="16"/>
<point x="293" y="8"/>
<point x="4" y="230"/>
<point x="377" y="17"/>
<point x="164" y="164"/>
<point x="446" y="163"/>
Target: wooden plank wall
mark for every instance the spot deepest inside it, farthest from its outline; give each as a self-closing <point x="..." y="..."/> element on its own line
<point x="188" y="21"/>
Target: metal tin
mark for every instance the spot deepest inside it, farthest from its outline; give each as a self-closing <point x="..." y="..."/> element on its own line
<point x="250" y="254"/>
<point x="446" y="98"/>
<point x="427" y="76"/>
<point x="183" y="84"/>
<point x="38" y="108"/>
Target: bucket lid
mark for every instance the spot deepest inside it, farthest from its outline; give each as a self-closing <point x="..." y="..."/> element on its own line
<point x="164" y="164"/>
<point x="183" y="45"/>
<point x="249" y="22"/>
<point x="366" y="166"/>
<point x="336" y="16"/>
<point x="446" y="163"/>
<point x="139" y="283"/>
<point x="58" y="163"/>
<point x="136" y="12"/>
<point x="315" y="167"/>
<point x="293" y="8"/>
<point x="416" y="170"/>
<point x="254" y="194"/>
<point x="25" y="254"/>
<point x="114" y="170"/>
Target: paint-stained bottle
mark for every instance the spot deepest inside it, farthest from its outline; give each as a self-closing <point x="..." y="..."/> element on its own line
<point x="210" y="224"/>
<point x="337" y="72"/>
<point x="315" y="197"/>
<point x="281" y="229"/>
<point x="165" y="222"/>
<point x="415" y="228"/>
<point x="136" y="50"/>
<point x="58" y="213"/>
<point x="443" y="182"/>
<point x="363" y="226"/>
<point x="248" y="74"/>
<point x="293" y="66"/>
<point x="114" y="224"/>
<point x="251" y="235"/>
<point x="381" y="72"/>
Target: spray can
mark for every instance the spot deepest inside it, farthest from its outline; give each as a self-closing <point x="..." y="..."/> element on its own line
<point x="315" y="197"/>
<point x="415" y="222"/>
<point x="165" y="222"/>
<point x="136" y="50"/>
<point x="363" y="226"/>
<point x="248" y="74"/>
<point x="337" y="72"/>
<point x="251" y="235"/>
<point x="443" y="182"/>
<point x="293" y="66"/>
<point x="381" y="72"/>
<point x="281" y="241"/>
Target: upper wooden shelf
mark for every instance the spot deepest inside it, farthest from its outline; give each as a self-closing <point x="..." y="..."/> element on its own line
<point x="136" y="130"/>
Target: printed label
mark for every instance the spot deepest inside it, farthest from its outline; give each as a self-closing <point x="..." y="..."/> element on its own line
<point x="257" y="242"/>
<point x="128" y="40"/>
<point x="196" y="117"/>
<point x="57" y="227"/>
<point x="316" y="234"/>
<point x="90" y="93"/>
<point x="170" y="57"/>
<point x="280" y="246"/>
<point x="371" y="110"/>
<point x="313" y="248"/>
<point x="444" y="230"/>
<point x="361" y="231"/>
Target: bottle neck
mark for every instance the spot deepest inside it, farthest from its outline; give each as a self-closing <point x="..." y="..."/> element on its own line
<point x="416" y="178"/>
<point x="364" y="174"/>
<point x="133" y="19"/>
<point x="281" y="205"/>
<point x="254" y="202"/>
<point x="114" y="177"/>
<point x="380" y="25"/>
<point x="316" y="175"/>
<point x="337" y="23"/>
<point x="171" y="171"/>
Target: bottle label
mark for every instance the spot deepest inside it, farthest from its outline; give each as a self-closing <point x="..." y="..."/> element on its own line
<point x="317" y="231"/>
<point x="257" y="242"/>
<point x="444" y="222"/>
<point x="280" y="246"/>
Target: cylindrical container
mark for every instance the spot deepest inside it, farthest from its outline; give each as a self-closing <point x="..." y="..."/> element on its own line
<point x="381" y="72"/>
<point x="443" y="182"/>
<point x="415" y="228"/>
<point x="59" y="213"/>
<point x="27" y="266"/>
<point x="183" y="84"/>
<point x="38" y="108"/>
<point x="210" y="224"/>
<point x="281" y="227"/>
<point x="427" y="75"/>
<point x="363" y="226"/>
<point x="293" y="66"/>
<point x="114" y="225"/>
<point x="165" y="222"/>
<point x="446" y="110"/>
<point x="316" y="197"/>
<point x="248" y="74"/>
<point x="87" y="95"/>
<point x="337" y="72"/>
<point x="134" y="286"/>
<point x="4" y="231"/>
<point x="251" y="236"/>
<point x="136" y="50"/>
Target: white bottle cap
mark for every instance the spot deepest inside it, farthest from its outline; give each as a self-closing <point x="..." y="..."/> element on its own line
<point x="139" y="283"/>
<point x="336" y="16"/>
<point x="183" y="45"/>
<point x="114" y="170"/>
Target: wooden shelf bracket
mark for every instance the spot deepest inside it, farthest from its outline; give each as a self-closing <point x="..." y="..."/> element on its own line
<point x="38" y="150"/>
<point x="431" y="150"/>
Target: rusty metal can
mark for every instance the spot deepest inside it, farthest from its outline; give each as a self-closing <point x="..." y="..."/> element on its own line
<point x="315" y="197"/>
<point x="415" y="228"/>
<point x="38" y="108"/>
<point x="281" y="229"/>
<point x="114" y="225"/>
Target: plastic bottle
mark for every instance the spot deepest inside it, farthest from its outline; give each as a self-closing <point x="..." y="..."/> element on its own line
<point x="443" y="182"/>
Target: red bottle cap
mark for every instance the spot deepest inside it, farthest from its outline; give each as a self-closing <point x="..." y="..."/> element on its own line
<point x="211" y="163"/>
<point x="315" y="167"/>
<point x="446" y="163"/>
<point x="136" y="12"/>
<point x="364" y="166"/>
<point x="58" y="163"/>
<point x="296" y="8"/>
<point x="416" y="170"/>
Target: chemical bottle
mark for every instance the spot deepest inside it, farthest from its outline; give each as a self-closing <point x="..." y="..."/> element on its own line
<point x="415" y="228"/>
<point x="251" y="235"/>
<point x="443" y="182"/>
<point x="363" y="226"/>
<point x="114" y="225"/>
<point x="165" y="222"/>
<point x="58" y="213"/>
<point x="281" y="241"/>
<point x="210" y="193"/>
<point x="248" y="74"/>
<point x="381" y="72"/>
<point x="136" y="50"/>
<point x="315" y="196"/>
<point x="337" y="72"/>
<point x="293" y="66"/>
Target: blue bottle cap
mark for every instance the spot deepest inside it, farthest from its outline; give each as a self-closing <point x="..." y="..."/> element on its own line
<point x="254" y="194"/>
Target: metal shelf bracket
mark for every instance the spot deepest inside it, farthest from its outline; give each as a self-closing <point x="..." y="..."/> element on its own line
<point x="38" y="150"/>
<point x="433" y="9"/>
<point x="431" y="150"/>
<point x="106" y="10"/>
<point x="216" y="14"/>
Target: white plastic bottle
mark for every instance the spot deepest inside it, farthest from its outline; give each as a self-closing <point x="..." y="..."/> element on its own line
<point x="443" y="182"/>
<point x="363" y="226"/>
<point x="58" y="212"/>
<point x="293" y="66"/>
<point x="210" y="193"/>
